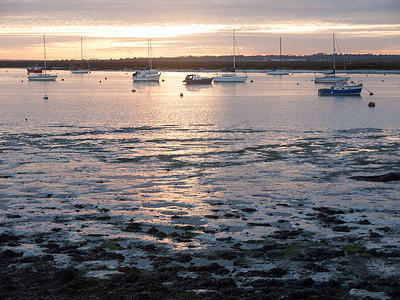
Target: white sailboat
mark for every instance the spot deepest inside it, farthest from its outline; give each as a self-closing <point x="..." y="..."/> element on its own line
<point x="148" y="74"/>
<point x="43" y="76"/>
<point x="231" y="77"/>
<point x="82" y="70"/>
<point x="331" y="77"/>
<point x="279" y="70"/>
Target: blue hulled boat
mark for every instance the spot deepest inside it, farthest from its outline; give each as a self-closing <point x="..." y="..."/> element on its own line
<point x="342" y="89"/>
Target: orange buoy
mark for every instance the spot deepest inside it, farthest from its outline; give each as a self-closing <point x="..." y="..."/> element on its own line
<point x="371" y="104"/>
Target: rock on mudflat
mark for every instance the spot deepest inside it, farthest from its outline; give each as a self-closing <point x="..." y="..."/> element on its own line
<point x="364" y="294"/>
<point x="392" y="176"/>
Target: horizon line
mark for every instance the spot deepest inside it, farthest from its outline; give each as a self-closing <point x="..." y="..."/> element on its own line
<point x="207" y="55"/>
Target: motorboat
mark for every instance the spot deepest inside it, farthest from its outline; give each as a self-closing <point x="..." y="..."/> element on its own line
<point x="331" y="77"/>
<point x="35" y="69"/>
<point x="148" y="74"/>
<point x="197" y="79"/>
<point x="342" y="89"/>
<point x="43" y="76"/>
<point x="231" y="77"/>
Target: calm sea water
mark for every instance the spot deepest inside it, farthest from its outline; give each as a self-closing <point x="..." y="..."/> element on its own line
<point x="102" y="144"/>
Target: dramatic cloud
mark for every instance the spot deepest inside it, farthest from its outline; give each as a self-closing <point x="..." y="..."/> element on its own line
<point x="202" y="27"/>
<point x="201" y="12"/>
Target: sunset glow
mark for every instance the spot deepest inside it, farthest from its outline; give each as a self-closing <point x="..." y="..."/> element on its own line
<point x="177" y="29"/>
<point x="177" y="149"/>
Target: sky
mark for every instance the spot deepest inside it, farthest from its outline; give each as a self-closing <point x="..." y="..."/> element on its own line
<point x="120" y="28"/>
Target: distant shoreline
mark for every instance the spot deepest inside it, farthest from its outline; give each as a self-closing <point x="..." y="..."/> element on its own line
<point x="350" y="63"/>
<point x="392" y="72"/>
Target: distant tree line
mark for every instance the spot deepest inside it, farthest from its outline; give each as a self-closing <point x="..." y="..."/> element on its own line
<point x="224" y="63"/>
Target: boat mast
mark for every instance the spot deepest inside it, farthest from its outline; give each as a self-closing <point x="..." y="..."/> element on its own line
<point x="334" y="54"/>
<point x="149" y="53"/>
<point x="44" y="49"/>
<point x="81" y="54"/>
<point x="234" y="54"/>
<point x="280" y="51"/>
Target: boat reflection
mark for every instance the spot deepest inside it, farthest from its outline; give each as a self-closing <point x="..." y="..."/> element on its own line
<point x="197" y="87"/>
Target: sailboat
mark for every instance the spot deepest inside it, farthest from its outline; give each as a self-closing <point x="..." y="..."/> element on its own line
<point x="279" y="70"/>
<point x="43" y="76"/>
<point x="331" y="77"/>
<point x="231" y="77"/>
<point x="82" y="70"/>
<point x="148" y="74"/>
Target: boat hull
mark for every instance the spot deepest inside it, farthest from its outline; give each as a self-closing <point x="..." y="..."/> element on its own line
<point x="198" y="81"/>
<point x="278" y="73"/>
<point x="230" y="78"/>
<point x="147" y="78"/>
<point x="330" y="79"/>
<point x="80" y="71"/>
<point x="42" y="77"/>
<point x="354" y="91"/>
